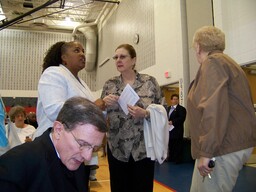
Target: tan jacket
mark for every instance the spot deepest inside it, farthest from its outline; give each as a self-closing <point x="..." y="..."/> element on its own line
<point x="221" y="116"/>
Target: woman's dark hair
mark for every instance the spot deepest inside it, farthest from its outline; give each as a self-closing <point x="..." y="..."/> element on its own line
<point x="53" y="55"/>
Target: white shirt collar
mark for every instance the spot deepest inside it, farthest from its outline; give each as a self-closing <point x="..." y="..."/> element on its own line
<point x="54" y="146"/>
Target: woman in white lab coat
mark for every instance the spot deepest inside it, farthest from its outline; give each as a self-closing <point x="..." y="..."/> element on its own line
<point x="59" y="81"/>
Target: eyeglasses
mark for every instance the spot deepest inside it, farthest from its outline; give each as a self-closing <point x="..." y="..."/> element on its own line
<point x="120" y="57"/>
<point x="83" y="144"/>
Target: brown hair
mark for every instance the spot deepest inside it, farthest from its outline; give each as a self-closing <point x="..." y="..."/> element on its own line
<point x="129" y="48"/>
<point x="15" y="111"/>
<point x="174" y="95"/>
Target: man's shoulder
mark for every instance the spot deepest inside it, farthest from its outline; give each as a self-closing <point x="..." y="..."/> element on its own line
<point x="180" y="107"/>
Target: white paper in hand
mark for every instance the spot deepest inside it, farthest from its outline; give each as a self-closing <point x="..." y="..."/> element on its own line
<point x="171" y="127"/>
<point x="128" y="97"/>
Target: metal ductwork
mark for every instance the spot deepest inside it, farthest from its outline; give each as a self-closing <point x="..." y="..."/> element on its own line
<point x="91" y="47"/>
<point x="90" y="32"/>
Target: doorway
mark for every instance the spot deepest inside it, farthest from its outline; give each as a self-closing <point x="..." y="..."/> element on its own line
<point x="168" y="90"/>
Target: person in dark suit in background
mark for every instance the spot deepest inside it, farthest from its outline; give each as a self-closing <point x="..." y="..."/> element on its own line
<point x="176" y="116"/>
<point x="54" y="161"/>
<point x="31" y="119"/>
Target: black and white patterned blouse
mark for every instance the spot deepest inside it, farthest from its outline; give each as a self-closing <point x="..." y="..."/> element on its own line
<point x="125" y="135"/>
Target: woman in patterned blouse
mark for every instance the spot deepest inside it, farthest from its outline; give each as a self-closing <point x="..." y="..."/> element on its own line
<point x="130" y="169"/>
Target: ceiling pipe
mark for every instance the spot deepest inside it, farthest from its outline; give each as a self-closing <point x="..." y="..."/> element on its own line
<point x="90" y="48"/>
<point x="92" y="23"/>
<point x="89" y="31"/>
<point x="45" y="15"/>
<point x="17" y="19"/>
<point x="62" y="4"/>
<point x="108" y="1"/>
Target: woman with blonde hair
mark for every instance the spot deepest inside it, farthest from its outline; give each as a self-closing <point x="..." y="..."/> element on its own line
<point x="221" y="115"/>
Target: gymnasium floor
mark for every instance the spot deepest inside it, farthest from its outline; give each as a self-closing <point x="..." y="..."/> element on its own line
<point x="170" y="177"/>
<point x="178" y="177"/>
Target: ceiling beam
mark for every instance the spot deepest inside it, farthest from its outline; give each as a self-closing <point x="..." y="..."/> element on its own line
<point x="17" y="19"/>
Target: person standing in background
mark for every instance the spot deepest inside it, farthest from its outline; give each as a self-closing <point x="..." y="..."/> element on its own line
<point x="176" y="116"/>
<point x="59" y="82"/>
<point x="3" y="138"/>
<point x="221" y="116"/>
<point x="24" y="131"/>
<point x="130" y="169"/>
<point x="31" y="119"/>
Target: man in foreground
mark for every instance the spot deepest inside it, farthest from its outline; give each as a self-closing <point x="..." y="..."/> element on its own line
<point x="55" y="160"/>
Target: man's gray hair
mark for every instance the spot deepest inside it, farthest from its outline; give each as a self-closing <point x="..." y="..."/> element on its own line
<point x="80" y="111"/>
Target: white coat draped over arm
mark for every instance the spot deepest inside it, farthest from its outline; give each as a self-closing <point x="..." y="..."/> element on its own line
<point x="156" y="133"/>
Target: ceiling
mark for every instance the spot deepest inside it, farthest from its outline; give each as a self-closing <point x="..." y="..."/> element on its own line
<point x="53" y="14"/>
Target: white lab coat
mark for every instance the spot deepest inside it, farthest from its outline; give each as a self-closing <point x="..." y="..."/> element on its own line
<point x="56" y="85"/>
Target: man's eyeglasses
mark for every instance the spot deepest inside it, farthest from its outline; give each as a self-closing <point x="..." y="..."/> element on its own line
<point x="83" y="144"/>
<point x="120" y="57"/>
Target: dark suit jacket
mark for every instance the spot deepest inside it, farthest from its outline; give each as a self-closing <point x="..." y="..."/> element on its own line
<point x="177" y="117"/>
<point x="35" y="167"/>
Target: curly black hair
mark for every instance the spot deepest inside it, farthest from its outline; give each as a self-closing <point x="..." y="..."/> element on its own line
<point x="53" y="55"/>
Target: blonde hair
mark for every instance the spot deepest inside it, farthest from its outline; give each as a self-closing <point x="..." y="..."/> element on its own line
<point x="209" y="38"/>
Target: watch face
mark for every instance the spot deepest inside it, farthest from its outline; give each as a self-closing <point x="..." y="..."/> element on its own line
<point x="136" y="38"/>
